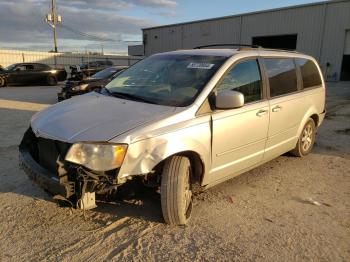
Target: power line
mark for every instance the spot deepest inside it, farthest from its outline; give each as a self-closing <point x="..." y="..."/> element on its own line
<point x="94" y="37"/>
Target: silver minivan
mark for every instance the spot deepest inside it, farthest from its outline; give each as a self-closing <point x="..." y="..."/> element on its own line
<point x="180" y="122"/>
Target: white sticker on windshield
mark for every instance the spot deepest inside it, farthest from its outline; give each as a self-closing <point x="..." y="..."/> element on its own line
<point x="200" y="65"/>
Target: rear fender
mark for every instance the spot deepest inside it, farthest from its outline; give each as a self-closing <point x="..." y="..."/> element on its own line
<point x="312" y="111"/>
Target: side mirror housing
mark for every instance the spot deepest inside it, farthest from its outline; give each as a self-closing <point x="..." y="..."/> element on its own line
<point x="229" y="99"/>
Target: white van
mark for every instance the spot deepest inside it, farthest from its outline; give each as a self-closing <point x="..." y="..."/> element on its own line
<point x="178" y="121"/>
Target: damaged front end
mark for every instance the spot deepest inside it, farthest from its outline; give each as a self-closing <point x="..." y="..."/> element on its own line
<point x="43" y="160"/>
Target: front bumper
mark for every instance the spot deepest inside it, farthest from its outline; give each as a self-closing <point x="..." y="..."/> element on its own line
<point x="62" y="96"/>
<point x="43" y="161"/>
<point x="68" y="94"/>
<point x="42" y="177"/>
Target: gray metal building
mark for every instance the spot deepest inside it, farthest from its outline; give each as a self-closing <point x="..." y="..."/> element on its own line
<point x="319" y="29"/>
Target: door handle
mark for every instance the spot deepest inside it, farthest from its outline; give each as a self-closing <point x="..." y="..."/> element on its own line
<point x="276" y="109"/>
<point x="261" y="112"/>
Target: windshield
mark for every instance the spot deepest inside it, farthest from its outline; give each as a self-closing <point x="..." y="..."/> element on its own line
<point x="11" y="67"/>
<point x="166" y="79"/>
<point x="106" y="73"/>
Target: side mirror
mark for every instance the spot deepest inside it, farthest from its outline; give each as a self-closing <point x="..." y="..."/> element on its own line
<point x="229" y="99"/>
<point x="17" y="69"/>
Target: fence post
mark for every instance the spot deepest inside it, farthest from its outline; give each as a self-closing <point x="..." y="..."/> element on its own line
<point x="23" y="60"/>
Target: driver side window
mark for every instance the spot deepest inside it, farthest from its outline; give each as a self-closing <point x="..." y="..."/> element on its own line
<point x="245" y="78"/>
<point x="21" y="68"/>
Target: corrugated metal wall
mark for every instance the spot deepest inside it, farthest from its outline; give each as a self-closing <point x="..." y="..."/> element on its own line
<point x="333" y="45"/>
<point x="8" y="57"/>
<point x="320" y="28"/>
<point x="305" y="22"/>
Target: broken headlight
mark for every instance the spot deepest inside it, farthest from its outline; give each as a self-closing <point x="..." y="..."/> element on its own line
<point x="98" y="157"/>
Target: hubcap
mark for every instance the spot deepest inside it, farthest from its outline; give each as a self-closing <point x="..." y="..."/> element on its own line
<point x="307" y="137"/>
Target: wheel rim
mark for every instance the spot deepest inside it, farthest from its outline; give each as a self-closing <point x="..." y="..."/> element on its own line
<point x="188" y="194"/>
<point x="306" y="140"/>
<point x="2" y="81"/>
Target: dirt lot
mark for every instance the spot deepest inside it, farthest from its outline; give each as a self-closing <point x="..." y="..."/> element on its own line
<point x="267" y="214"/>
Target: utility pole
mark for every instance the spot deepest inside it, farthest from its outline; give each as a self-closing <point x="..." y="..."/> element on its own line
<point x="53" y="12"/>
<point x="53" y="19"/>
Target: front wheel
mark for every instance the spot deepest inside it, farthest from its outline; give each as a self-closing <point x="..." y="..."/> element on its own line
<point x="176" y="191"/>
<point x="2" y="81"/>
<point x="306" y="140"/>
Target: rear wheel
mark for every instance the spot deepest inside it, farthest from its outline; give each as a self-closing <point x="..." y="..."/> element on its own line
<point x="2" y="81"/>
<point x="176" y="191"/>
<point x="51" y="81"/>
<point x="306" y="140"/>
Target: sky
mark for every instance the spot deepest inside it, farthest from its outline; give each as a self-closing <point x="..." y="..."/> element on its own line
<point x="23" y="26"/>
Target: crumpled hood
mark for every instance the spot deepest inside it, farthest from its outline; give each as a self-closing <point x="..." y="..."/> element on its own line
<point x="94" y="117"/>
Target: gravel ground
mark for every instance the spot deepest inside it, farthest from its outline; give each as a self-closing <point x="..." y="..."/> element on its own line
<point x="289" y="209"/>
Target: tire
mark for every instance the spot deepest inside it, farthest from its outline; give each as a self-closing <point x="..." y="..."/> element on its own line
<point x="2" y="82"/>
<point x="306" y="140"/>
<point x="176" y="191"/>
<point x="51" y="81"/>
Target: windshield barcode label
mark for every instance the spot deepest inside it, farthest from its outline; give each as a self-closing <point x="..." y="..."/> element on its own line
<point x="200" y="65"/>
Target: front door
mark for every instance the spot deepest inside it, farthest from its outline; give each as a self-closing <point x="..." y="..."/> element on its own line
<point x="20" y="75"/>
<point x="239" y="135"/>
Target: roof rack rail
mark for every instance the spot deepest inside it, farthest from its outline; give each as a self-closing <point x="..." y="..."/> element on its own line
<point x="280" y="50"/>
<point x="238" y="45"/>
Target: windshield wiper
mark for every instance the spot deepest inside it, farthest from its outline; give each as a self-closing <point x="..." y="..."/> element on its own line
<point x="131" y="97"/>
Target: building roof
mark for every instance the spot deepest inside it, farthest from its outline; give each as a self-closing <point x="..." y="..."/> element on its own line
<point x="251" y="13"/>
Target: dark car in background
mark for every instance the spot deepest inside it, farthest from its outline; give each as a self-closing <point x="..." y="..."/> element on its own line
<point x="31" y="73"/>
<point x="93" y="83"/>
<point x="93" y="67"/>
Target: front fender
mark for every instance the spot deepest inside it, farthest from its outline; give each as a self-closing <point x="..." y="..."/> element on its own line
<point x="142" y="156"/>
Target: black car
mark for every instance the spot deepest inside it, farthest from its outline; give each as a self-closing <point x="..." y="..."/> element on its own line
<point x="93" y="67"/>
<point x="31" y="73"/>
<point x="93" y="83"/>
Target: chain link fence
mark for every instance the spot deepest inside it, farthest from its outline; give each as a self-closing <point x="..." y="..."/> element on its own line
<point x="9" y="57"/>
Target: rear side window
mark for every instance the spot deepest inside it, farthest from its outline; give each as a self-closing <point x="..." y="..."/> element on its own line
<point x="282" y="76"/>
<point x="29" y="67"/>
<point x="41" y="67"/>
<point x="309" y="72"/>
<point x="245" y="78"/>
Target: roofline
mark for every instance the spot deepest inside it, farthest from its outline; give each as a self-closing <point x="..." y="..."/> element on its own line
<point x="248" y="13"/>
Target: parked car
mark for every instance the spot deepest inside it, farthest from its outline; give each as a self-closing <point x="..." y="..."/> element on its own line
<point x="181" y="121"/>
<point x="93" y="83"/>
<point x="31" y="73"/>
<point x="90" y="68"/>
